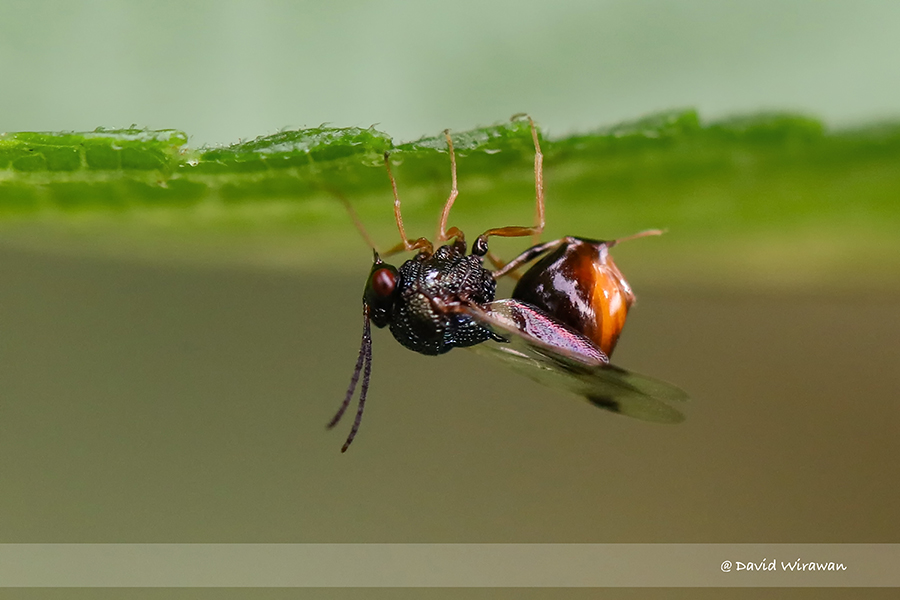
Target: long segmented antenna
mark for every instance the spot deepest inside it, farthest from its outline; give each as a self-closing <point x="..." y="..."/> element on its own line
<point x="364" y="365"/>
<point x="363" y="390"/>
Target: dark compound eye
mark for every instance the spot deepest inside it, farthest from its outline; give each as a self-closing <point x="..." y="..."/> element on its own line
<point x="383" y="282"/>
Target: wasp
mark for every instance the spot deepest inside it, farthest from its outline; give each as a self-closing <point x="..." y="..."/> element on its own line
<point x="559" y="327"/>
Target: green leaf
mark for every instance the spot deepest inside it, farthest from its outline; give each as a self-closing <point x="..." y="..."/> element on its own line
<point x="768" y="201"/>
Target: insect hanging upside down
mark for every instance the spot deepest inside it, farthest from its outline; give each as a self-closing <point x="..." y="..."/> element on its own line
<point x="559" y="327"/>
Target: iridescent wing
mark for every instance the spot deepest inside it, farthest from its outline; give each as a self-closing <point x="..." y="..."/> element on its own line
<point x="552" y="354"/>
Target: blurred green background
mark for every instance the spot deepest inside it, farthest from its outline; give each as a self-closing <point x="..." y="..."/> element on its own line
<point x="154" y="400"/>
<point x="775" y="216"/>
<point x="224" y="70"/>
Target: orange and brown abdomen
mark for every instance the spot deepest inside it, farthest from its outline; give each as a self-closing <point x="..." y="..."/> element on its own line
<point x="579" y="285"/>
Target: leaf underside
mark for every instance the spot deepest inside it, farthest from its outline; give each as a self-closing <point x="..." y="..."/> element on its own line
<point x="771" y="201"/>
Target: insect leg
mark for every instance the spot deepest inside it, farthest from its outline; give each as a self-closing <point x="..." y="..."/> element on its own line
<point x="527" y="256"/>
<point x="634" y="236"/>
<point x="443" y="234"/>
<point x="498" y="262"/>
<point x="538" y="226"/>
<point x="405" y="244"/>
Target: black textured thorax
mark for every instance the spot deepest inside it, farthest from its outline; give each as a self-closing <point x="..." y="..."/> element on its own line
<point x="448" y="276"/>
